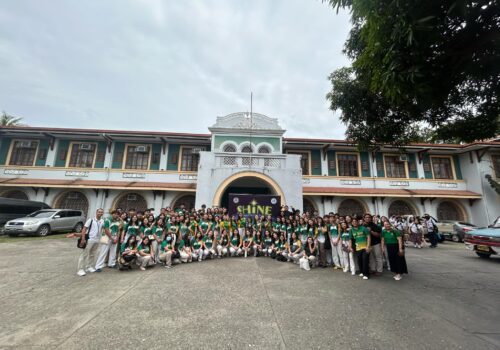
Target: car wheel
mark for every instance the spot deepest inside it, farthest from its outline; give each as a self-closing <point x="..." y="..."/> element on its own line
<point x="483" y="255"/>
<point x="78" y="228"/>
<point x="455" y="238"/>
<point x="43" y="230"/>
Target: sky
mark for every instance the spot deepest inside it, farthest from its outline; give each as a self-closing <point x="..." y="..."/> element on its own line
<point x="170" y="65"/>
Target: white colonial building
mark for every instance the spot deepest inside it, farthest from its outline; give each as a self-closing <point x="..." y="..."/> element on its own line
<point x="89" y="168"/>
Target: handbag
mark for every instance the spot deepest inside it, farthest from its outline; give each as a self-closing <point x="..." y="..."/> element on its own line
<point x="104" y="239"/>
<point x="86" y="237"/>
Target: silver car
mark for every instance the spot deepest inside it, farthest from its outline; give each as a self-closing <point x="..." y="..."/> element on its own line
<point x="43" y="222"/>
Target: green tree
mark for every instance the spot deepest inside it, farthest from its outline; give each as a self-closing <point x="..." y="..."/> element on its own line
<point x="9" y="120"/>
<point x="419" y="62"/>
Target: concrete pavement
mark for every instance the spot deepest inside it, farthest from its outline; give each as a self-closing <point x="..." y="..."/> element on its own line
<point x="450" y="300"/>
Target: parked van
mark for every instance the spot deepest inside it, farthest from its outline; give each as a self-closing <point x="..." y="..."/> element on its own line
<point x="17" y="208"/>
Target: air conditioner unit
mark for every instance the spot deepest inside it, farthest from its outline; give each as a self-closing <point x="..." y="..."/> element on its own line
<point x="196" y="150"/>
<point x="85" y="146"/>
<point x="403" y="158"/>
<point x="141" y="149"/>
<point x="131" y="197"/>
<point x="26" y="144"/>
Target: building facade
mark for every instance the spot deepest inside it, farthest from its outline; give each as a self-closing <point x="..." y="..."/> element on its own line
<point x="87" y="169"/>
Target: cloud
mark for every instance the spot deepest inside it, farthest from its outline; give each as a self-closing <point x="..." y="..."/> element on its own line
<point x="172" y="66"/>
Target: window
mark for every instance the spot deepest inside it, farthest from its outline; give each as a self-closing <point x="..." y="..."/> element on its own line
<point x="246" y="149"/>
<point x="23" y="153"/>
<point x="82" y="155"/>
<point x="264" y="149"/>
<point x="394" y="167"/>
<point x="348" y="164"/>
<point x="441" y="167"/>
<point x="189" y="160"/>
<point x="496" y="164"/>
<point x="304" y="161"/>
<point x="137" y="157"/>
<point x="229" y="148"/>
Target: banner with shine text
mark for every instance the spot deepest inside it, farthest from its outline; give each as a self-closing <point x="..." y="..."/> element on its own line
<point x="252" y="204"/>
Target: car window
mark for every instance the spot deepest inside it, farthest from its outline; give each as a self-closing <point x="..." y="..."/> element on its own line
<point x="42" y="214"/>
<point x="497" y="223"/>
<point x="74" y="213"/>
<point x="62" y="213"/>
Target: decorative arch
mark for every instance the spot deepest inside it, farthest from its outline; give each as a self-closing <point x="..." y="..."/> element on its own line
<point x="309" y="205"/>
<point x="229" y="146"/>
<point x="352" y="207"/>
<point x="130" y="200"/>
<point x="14" y="194"/>
<point x="401" y="207"/>
<point x="187" y="199"/>
<point x="265" y="148"/>
<point x="72" y="200"/>
<point x="222" y="187"/>
<point x="246" y="147"/>
<point x="451" y="210"/>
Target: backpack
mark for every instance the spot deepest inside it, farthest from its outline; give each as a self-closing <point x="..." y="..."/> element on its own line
<point x="86" y="237"/>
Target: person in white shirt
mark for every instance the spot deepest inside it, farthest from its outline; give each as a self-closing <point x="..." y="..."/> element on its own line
<point x="92" y="228"/>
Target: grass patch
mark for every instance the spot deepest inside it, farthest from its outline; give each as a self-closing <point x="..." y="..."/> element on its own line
<point x="8" y="239"/>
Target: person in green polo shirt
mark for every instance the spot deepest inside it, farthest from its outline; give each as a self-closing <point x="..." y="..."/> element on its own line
<point x="294" y="252"/>
<point x="393" y="243"/>
<point x="268" y="243"/>
<point x="344" y="243"/>
<point x="132" y="228"/>
<point x="223" y="244"/>
<point x="247" y="243"/>
<point x="168" y="251"/>
<point x="209" y="250"/>
<point x="235" y="243"/>
<point x="361" y="237"/>
<point x="197" y="246"/>
<point x="112" y="226"/>
<point x="145" y="255"/>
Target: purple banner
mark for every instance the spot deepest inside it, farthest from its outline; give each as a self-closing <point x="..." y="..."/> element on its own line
<point x="254" y="204"/>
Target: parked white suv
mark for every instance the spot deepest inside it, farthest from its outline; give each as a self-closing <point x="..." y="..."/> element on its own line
<point x="43" y="222"/>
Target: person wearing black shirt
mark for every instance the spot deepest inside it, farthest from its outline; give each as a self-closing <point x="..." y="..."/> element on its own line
<point x="376" y="256"/>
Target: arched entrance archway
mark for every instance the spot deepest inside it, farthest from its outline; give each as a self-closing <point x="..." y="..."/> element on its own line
<point x="14" y="194"/>
<point x="246" y="182"/>
<point x="351" y="207"/>
<point x="308" y="206"/>
<point x="187" y="199"/>
<point x="401" y="207"/>
<point x="448" y="210"/>
<point x="72" y="200"/>
<point x="129" y="201"/>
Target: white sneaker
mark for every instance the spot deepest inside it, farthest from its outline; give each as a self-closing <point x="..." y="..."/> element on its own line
<point x="360" y="275"/>
<point x="90" y="269"/>
<point x="398" y="278"/>
<point x="81" y="273"/>
<point x="353" y="273"/>
<point x="365" y="278"/>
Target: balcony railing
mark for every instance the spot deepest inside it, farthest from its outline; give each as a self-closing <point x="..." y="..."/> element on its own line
<point x="250" y="160"/>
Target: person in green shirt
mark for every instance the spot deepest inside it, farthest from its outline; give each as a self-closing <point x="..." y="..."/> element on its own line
<point x="344" y="243"/>
<point x="184" y="250"/>
<point x="209" y="250"/>
<point x="112" y="227"/>
<point x="333" y="232"/>
<point x="257" y="243"/>
<point x="393" y="243"/>
<point x="128" y="251"/>
<point x="145" y="255"/>
<point x="235" y="243"/>
<point x="247" y="243"/>
<point x="362" y="240"/>
<point x="223" y="244"/>
<point x="159" y="232"/>
<point x="197" y="246"/>
<point x="294" y="249"/>
<point x="168" y="250"/>
<point x="268" y="243"/>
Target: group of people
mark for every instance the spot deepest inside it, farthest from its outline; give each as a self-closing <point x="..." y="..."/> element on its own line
<point x="355" y="244"/>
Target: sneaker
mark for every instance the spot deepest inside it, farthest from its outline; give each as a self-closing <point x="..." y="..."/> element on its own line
<point x="365" y="278"/>
<point x="81" y="273"/>
<point x="353" y="273"/>
<point x="90" y="269"/>
<point x="168" y="267"/>
<point x="398" y="278"/>
<point x="98" y="270"/>
<point x="142" y="268"/>
<point x="360" y="275"/>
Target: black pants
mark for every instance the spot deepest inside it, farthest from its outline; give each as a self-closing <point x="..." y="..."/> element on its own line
<point x="363" y="262"/>
<point x="433" y="238"/>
